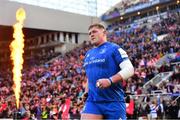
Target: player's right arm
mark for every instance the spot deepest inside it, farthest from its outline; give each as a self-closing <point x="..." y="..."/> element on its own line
<point x="85" y="95"/>
<point x="86" y="86"/>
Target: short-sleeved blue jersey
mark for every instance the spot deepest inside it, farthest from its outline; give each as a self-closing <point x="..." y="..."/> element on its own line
<point x="103" y="62"/>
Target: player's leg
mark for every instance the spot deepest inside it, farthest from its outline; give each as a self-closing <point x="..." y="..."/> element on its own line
<point x="91" y="111"/>
<point x="86" y="116"/>
<point x="114" y="110"/>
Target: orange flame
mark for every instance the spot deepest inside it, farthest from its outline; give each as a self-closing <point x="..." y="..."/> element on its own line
<point x="17" y="51"/>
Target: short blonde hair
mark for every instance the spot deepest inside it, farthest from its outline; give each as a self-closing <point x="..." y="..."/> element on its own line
<point x="98" y="25"/>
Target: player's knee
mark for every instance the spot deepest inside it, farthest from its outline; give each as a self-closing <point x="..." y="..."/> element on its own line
<point x="85" y="116"/>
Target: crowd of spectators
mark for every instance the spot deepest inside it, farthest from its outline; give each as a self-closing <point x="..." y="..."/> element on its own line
<point x="54" y="90"/>
<point x="123" y="5"/>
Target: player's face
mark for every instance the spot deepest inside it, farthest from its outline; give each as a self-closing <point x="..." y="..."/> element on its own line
<point x="96" y="35"/>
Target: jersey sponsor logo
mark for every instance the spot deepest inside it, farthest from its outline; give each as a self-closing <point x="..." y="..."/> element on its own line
<point x="94" y="61"/>
<point x="122" y="53"/>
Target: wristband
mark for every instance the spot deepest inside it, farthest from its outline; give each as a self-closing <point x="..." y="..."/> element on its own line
<point x="110" y="80"/>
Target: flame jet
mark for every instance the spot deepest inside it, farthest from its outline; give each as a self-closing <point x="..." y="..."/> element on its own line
<point x="17" y="51"/>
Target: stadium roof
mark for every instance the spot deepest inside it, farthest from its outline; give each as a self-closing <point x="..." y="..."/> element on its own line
<point x="84" y="7"/>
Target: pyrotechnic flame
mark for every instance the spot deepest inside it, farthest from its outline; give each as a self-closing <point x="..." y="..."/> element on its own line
<point x="17" y="51"/>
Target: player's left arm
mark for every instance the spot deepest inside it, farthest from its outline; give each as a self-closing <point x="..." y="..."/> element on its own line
<point x="126" y="67"/>
<point x="126" y="70"/>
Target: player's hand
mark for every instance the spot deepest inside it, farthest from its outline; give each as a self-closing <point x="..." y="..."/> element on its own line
<point x="84" y="96"/>
<point x="103" y="83"/>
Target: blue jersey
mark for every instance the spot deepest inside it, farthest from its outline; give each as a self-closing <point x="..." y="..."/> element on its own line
<point x="103" y="62"/>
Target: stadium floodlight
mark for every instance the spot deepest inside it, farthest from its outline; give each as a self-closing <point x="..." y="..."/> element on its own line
<point x="157" y="8"/>
<point x="138" y="13"/>
<point x="177" y="2"/>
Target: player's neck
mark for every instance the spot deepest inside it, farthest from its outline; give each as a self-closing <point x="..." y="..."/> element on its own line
<point x="101" y="43"/>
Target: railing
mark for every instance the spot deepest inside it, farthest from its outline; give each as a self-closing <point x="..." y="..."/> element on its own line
<point x="165" y="59"/>
<point x="158" y="79"/>
<point x="156" y="94"/>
